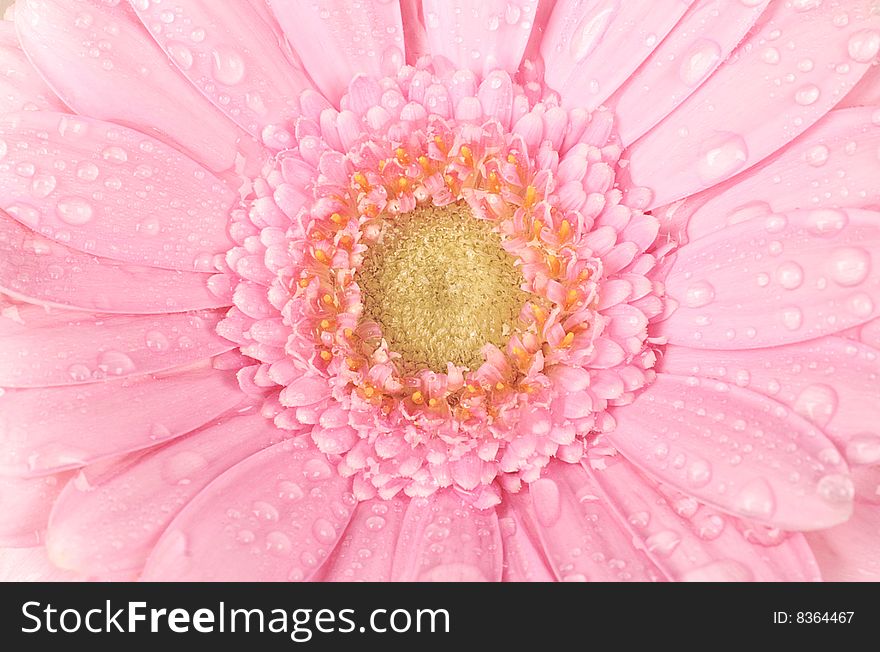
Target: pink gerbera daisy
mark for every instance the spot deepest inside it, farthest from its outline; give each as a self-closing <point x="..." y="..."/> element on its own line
<point x="440" y="290"/>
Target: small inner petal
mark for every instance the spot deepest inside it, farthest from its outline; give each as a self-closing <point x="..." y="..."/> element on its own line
<point x="441" y="287"/>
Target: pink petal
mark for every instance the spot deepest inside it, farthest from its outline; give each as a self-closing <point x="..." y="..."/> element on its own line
<point x="24" y="507"/>
<point x="698" y="44"/>
<point x="21" y="87"/>
<point x="232" y="56"/>
<point x="848" y="552"/>
<point x="581" y="40"/>
<point x="806" y="174"/>
<point x="322" y="35"/>
<point x="366" y="551"/>
<point x="157" y="207"/>
<point x="830" y="381"/>
<point x="413" y="30"/>
<point x="776" y="279"/>
<point x="445" y="539"/>
<point x="149" y="492"/>
<point x="481" y="35"/>
<point x="691" y="543"/>
<point x="524" y="559"/>
<point x="31" y="565"/>
<point x="130" y="81"/>
<point x="866" y="92"/>
<point x="736" y="450"/>
<point x="44" y="348"/>
<point x="50" y="430"/>
<point x="252" y="524"/>
<point x="710" y="137"/>
<point x="46" y="272"/>
<point x="582" y="537"/>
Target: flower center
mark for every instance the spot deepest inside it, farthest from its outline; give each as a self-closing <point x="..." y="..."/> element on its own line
<point x="441" y="287"/>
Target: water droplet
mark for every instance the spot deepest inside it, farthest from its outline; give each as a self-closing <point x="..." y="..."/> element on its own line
<point x="849" y="266"/>
<point x="156" y="341"/>
<point x="817" y="156"/>
<point x="43" y="185"/>
<point x="375" y="523"/>
<point x="324" y="531"/>
<point x="836" y="488"/>
<point x="228" y="66"/>
<point x="817" y="402"/>
<point x="278" y="543"/>
<point x="770" y="55"/>
<point x="317" y="469"/>
<point x="114" y="154"/>
<point x="863" y="45"/>
<point x="826" y="222"/>
<point x="792" y="317"/>
<point x="115" y="363"/>
<point x="699" y="473"/>
<point x="87" y="171"/>
<point x="756" y="499"/>
<point x="863" y="448"/>
<point x="699" y="61"/>
<point x="245" y="536"/>
<point x="265" y="511"/>
<point x="790" y="275"/>
<point x="722" y="155"/>
<point x="861" y="305"/>
<point x="590" y="31"/>
<point x="663" y="543"/>
<point x="807" y="95"/>
<point x="290" y="491"/>
<point x="181" y="54"/>
<point x="79" y="372"/>
<point x="699" y="294"/>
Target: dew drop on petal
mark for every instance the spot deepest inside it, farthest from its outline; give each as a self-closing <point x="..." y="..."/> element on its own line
<point x="849" y="266"/>
<point x="722" y="155"/>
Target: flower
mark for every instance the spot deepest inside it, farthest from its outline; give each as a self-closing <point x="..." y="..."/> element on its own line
<point x="440" y="290"/>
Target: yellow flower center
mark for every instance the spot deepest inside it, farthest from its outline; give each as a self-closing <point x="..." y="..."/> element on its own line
<point x="441" y="287"/>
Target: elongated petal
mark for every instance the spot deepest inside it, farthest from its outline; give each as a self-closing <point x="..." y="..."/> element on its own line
<point x="24" y="508"/>
<point x="21" y="87"/>
<point x="276" y="516"/>
<point x="691" y="543"/>
<point x="150" y="492"/>
<point x="31" y="565"/>
<point x="43" y="348"/>
<point x="831" y="381"/>
<point x="709" y="138"/>
<point x="336" y="41"/>
<point x="154" y="205"/>
<point x="444" y="539"/>
<point x="833" y="165"/>
<point x="121" y="74"/>
<point x="229" y="52"/>
<point x="696" y="46"/>
<point x="582" y="538"/>
<point x="736" y="450"/>
<point x="45" y="272"/>
<point x="583" y="37"/>
<point x="524" y="558"/>
<point x="366" y="551"/>
<point x="848" y="552"/>
<point x="49" y="430"/>
<point x="481" y="35"/>
<point x="776" y="279"/>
